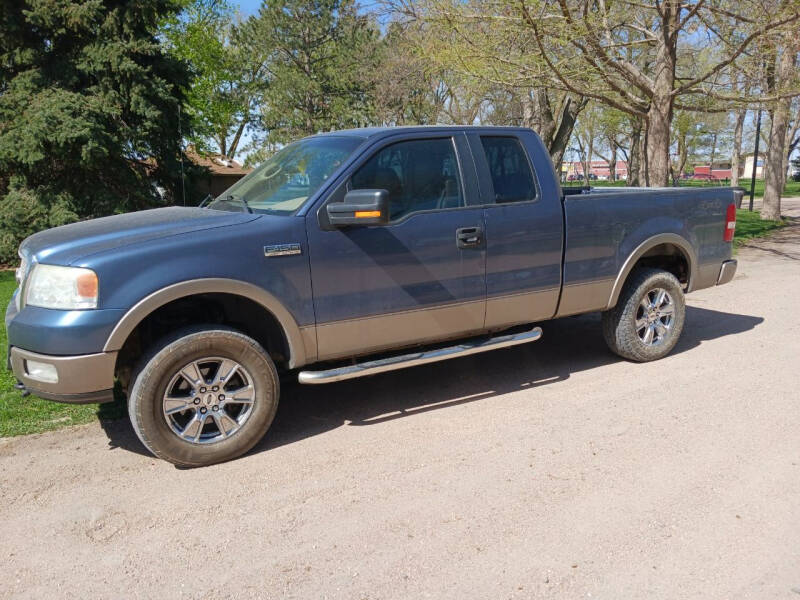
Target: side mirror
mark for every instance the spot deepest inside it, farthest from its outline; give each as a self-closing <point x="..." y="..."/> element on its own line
<point x="360" y="207"/>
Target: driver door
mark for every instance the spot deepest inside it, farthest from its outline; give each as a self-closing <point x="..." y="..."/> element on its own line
<point x="413" y="280"/>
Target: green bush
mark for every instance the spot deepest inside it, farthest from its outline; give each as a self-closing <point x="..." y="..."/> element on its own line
<point x="23" y="212"/>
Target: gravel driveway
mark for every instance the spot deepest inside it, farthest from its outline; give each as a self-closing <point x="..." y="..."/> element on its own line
<point x="554" y="470"/>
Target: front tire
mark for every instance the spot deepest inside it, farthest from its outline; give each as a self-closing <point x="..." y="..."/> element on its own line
<point x="203" y="395"/>
<point x="648" y="319"/>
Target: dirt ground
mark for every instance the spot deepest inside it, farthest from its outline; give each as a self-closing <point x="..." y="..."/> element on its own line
<point x="554" y="470"/>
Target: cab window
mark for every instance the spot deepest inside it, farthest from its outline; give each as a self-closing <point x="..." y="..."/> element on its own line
<point x="418" y="174"/>
<point x="511" y="173"/>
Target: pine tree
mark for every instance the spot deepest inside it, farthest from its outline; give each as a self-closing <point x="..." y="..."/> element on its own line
<point x="89" y="112"/>
<point x="322" y="56"/>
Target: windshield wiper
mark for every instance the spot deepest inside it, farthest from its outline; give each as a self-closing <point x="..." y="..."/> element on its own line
<point x="245" y="202"/>
<point x="229" y="198"/>
<point x="232" y="198"/>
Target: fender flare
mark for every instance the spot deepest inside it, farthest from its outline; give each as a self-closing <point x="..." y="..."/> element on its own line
<point x="145" y="306"/>
<point x="640" y="250"/>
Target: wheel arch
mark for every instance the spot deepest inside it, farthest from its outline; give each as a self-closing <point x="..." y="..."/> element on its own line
<point x="295" y="341"/>
<point x="663" y="244"/>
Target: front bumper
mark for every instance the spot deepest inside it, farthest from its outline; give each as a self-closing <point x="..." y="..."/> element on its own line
<point x="80" y="379"/>
<point x="727" y="271"/>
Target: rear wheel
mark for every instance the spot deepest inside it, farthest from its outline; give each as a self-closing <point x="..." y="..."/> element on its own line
<point x="204" y="395"/>
<point x="648" y="319"/>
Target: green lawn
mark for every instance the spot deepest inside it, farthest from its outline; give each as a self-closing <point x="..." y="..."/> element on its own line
<point x="792" y="187"/>
<point x="20" y="415"/>
<point x="749" y="225"/>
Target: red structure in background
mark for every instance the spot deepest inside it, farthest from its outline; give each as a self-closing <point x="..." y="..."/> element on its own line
<point x="705" y="172"/>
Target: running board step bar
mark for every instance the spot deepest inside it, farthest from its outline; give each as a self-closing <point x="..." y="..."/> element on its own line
<point x="418" y="358"/>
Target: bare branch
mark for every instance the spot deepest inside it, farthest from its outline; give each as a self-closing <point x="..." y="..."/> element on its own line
<point x="742" y="47"/>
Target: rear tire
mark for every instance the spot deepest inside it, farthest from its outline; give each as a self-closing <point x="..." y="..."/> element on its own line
<point x="203" y="395"/>
<point x="648" y="319"/>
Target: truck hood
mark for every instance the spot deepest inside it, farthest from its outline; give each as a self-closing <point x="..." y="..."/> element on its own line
<point x="69" y="243"/>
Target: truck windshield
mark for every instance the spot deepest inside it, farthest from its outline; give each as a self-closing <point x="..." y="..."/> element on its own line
<point x="288" y="178"/>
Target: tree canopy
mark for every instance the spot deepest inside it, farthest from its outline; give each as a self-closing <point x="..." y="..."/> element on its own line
<point x="89" y="105"/>
<point x="318" y="74"/>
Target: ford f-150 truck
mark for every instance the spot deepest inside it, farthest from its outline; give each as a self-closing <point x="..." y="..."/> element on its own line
<point x="343" y="255"/>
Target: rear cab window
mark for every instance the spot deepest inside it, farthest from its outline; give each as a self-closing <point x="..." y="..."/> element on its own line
<point x="510" y="169"/>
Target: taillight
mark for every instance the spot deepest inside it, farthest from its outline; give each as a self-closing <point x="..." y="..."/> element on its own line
<point x="730" y="223"/>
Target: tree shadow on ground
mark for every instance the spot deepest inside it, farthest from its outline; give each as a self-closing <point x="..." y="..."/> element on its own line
<point x="782" y="242"/>
<point x="568" y="345"/>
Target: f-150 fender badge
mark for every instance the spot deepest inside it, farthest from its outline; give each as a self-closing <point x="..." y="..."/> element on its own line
<point x="282" y="250"/>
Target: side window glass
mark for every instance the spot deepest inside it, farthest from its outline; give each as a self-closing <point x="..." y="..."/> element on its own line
<point x="418" y="174"/>
<point x="511" y="172"/>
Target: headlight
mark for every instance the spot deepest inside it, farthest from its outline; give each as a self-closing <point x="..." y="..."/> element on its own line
<point x="66" y="288"/>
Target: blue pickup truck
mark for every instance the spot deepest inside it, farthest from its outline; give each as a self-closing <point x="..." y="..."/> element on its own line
<point x="348" y="254"/>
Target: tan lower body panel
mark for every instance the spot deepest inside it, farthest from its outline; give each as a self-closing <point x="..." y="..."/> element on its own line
<point x="585" y="297"/>
<point x="527" y="307"/>
<point x="76" y="374"/>
<point x="707" y="276"/>
<point x="363" y="336"/>
<point x="309" y="335"/>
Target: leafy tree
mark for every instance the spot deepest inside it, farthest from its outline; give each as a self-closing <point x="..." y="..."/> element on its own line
<point x="322" y="55"/>
<point x="612" y="126"/>
<point x="229" y="74"/>
<point x="88" y="112"/>
<point x="646" y="59"/>
<point x="587" y="133"/>
<point x="408" y="87"/>
<point x="480" y="42"/>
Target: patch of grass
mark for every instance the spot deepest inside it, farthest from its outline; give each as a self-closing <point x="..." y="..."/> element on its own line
<point x="18" y="415"/>
<point x="749" y="225"/>
<point x="792" y="187"/>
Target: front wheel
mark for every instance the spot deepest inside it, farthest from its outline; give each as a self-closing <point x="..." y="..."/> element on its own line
<point x="203" y="395"/>
<point x="648" y="319"/>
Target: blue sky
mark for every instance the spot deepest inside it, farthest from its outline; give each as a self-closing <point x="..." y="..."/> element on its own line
<point x="248" y="7"/>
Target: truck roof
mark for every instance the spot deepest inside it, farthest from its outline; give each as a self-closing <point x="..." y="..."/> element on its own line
<point x="369" y="132"/>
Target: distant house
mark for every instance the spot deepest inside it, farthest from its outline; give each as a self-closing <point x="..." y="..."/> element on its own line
<point x="223" y="172"/>
<point x="748" y="165"/>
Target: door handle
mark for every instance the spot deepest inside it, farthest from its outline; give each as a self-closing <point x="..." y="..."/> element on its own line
<point x="469" y="237"/>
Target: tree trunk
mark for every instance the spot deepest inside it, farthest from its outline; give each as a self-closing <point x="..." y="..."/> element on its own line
<point x="537" y="105"/>
<point x="587" y="161"/>
<point x="683" y="155"/>
<point x="736" y="157"/>
<point x="529" y="116"/>
<point x="643" y="174"/>
<point x="659" y="116"/>
<point x="569" y="113"/>
<point x="633" y="156"/>
<point x="659" y="122"/>
<point x="231" y="153"/>
<point x="773" y="177"/>
<point x="612" y="163"/>
<point x="537" y="113"/>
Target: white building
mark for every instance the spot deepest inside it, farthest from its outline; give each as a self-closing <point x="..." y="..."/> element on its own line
<point x="748" y="166"/>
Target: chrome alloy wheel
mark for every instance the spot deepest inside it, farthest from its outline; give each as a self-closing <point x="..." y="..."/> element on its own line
<point x="208" y="400"/>
<point x="654" y="317"/>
